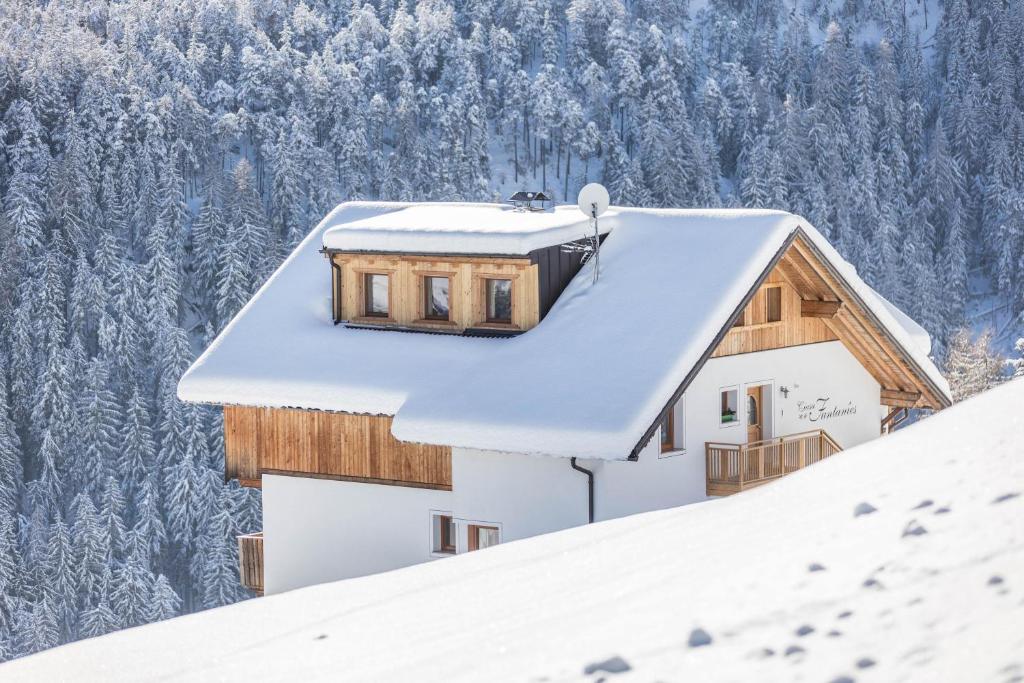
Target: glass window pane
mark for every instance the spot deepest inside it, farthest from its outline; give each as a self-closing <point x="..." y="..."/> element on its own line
<point x="729" y="397"/>
<point x="499" y="301"/>
<point x="486" y="537"/>
<point x="435" y="293"/>
<point x="376" y="293"/>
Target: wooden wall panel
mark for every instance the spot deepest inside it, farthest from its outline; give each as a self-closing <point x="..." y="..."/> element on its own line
<point x="792" y="330"/>
<point x="466" y="289"/>
<point x="330" y="445"/>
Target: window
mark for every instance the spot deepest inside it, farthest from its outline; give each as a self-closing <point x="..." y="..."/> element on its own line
<point x="773" y="304"/>
<point x="673" y="429"/>
<point x="443" y="534"/>
<point x="436" y="298"/>
<point x="375" y="295"/>
<point x="668" y="436"/>
<point x="729" y="406"/>
<point x="753" y="414"/>
<point x="481" y="536"/>
<point x="498" y="297"/>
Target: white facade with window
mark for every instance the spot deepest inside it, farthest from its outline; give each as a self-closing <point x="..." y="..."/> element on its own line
<point x="319" y="530"/>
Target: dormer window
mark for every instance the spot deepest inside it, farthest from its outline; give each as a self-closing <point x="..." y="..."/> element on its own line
<point x="498" y="296"/>
<point x="376" y="296"/>
<point x="436" y="298"/>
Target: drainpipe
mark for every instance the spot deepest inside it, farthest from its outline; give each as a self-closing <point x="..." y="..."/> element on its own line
<point x="590" y="487"/>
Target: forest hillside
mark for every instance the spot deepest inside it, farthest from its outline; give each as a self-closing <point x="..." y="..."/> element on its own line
<point x="159" y="159"/>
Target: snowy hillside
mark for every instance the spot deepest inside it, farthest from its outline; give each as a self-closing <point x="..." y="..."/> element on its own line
<point x="899" y="560"/>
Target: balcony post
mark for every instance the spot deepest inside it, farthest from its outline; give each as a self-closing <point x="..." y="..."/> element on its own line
<point x="803" y="454"/>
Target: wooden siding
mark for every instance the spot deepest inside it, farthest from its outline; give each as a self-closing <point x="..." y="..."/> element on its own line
<point x="327" y="445"/>
<point x="757" y="335"/>
<point x="816" y="307"/>
<point x="466" y="289"/>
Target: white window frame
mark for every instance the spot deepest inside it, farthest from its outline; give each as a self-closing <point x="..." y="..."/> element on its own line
<point x="430" y="533"/>
<point x="739" y="408"/>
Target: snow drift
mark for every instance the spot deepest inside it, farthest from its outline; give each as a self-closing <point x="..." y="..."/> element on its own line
<point x="902" y="559"/>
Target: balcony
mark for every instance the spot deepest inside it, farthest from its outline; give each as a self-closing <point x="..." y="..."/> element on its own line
<point x="250" y="561"/>
<point x="731" y="468"/>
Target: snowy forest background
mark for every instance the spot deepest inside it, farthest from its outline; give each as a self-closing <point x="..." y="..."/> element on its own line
<point x="159" y="159"/>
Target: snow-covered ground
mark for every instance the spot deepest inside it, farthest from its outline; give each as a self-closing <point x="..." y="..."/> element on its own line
<point x="902" y="559"/>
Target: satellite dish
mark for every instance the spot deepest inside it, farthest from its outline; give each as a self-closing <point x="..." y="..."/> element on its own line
<point x="593" y="200"/>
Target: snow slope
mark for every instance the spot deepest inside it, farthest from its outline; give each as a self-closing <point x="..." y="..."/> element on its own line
<point x="902" y="559"/>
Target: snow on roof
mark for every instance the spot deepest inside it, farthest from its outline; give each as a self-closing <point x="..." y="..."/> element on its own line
<point x="283" y="350"/>
<point x="926" y="587"/>
<point x="450" y="228"/>
<point x="613" y="353"/>
<point x="918" y="334"/>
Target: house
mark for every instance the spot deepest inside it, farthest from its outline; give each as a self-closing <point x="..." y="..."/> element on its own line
<point x="421" y="380"/>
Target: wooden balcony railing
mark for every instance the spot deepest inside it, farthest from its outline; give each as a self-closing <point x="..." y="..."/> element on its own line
<point x="732" y="468"/>
<point x="250" y="561"/>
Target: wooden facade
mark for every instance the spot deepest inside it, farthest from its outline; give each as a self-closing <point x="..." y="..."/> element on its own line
<point x="314" y="443"/>
<point x="467" y="285"/>
<point x="818" y="306"/>
<point x="250" y="561"/>
<point x="757" y="334"/>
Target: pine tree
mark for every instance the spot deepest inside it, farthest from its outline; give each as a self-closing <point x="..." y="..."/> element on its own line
<point x="972" y="366"/>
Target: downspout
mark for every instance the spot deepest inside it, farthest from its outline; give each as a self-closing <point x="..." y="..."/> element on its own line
<point x="590" y="488"/>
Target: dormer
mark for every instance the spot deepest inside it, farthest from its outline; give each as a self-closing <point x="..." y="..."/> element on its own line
<point x="476" y="269"/>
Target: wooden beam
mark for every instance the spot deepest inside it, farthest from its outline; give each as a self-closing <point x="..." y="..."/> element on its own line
<point x="819" y="309"/>
<point x="901" y="398"/>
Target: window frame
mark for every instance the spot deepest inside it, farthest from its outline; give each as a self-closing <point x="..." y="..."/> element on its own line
<point x="366" y="292"/>
<point x="425" y="297"/>
<point x="678" y="414"/>
<point x="738" y="419"/>
<point x="472" y="540"/>
<point x="438" y="548"/>
<point x="487" y="279"/>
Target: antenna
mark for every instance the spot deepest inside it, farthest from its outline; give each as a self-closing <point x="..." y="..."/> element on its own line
<point x="593" y="201"/>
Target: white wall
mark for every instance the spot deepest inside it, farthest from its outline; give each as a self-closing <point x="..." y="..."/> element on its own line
<point x="317" y="530"/>
<point x="526" y="495"/>
<point x="810" y="372"/>
<point x="320" y="530"/>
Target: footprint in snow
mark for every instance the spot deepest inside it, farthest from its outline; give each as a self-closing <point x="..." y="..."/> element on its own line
<point x="612" y="665"/>
<point x="1005" y="497"/>
<point x="865" y="663"/>
<point x="842" y="679"/>
<point x="873" y="583"/>
<point x="794" y="650"/>
<point x="995" y="580"/>
<point x="815" y="567"/>
<point x="834" y="633"/>
<point x="914" y="529"/>
<point x="864" y="509"/>
<point x="699" y="638"/>
<point x="927" y="502"/>
<point x="805" y="630"/>
<point x="845" y="614"/>
<point x="944" y="510"/>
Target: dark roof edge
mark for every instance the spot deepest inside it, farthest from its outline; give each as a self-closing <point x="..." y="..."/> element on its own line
<point x="649" y="434"/>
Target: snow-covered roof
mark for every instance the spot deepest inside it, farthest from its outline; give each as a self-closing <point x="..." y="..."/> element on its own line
<point x="611" y="354"/>
<point x="283" y="350"/>
<point x="927" y="587"/>
<point x="450" y="228"/>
